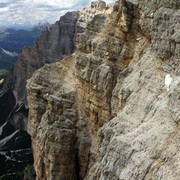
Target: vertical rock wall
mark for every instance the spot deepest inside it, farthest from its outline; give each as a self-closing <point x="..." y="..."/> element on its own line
<point x="104" y="112"/>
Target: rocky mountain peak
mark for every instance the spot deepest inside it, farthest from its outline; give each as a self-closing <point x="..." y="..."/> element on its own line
<point x="98" y="5"/>
<point x="47" y="49"/>
<point x="88" y="13"/>
<point x="55" y="43"/>
<point x="110" y="110"/>
<point x="104" y="112"/>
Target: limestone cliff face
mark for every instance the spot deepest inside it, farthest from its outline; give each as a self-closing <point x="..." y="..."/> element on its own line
<point x="15" y="144"/>
<point x="105" y="112"/>
<point x="54" y="44"/>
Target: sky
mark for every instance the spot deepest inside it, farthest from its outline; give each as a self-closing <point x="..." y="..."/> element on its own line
<point x="31" y="12"/>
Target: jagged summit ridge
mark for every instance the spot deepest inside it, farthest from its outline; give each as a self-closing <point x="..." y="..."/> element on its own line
<point x="104" y="112"/>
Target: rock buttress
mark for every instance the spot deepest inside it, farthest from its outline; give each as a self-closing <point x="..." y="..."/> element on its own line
<point x="104" y="112"/>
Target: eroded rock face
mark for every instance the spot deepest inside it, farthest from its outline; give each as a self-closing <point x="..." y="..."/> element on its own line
<point x="55" y="43"/>
<point x="60" y="129"/>
<point x="104" y="112"/>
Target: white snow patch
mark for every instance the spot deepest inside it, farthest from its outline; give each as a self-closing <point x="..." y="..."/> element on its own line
<point x="12" y="54"/>
<point x="168" y="81"/>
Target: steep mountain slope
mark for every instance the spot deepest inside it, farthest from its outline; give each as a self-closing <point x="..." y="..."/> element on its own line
<point x="105" y="112"/>
<point x="12" y="41"/>
<point x="15" y="152"/>
<point x="56" y="42"/>
<point x="15" y="145"/>
<point x="47" y="49"/>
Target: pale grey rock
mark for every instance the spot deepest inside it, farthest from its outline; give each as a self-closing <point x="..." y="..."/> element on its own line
<point x="121" y="123"/>
<point x="53" y="129"/>
<point x="136" y="143"/>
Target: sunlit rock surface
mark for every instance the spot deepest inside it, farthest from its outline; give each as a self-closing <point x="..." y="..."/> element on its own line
<point x="104" y="112"/>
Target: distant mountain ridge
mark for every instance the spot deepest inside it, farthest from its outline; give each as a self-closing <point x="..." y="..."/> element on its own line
<point x="12" y="41"/>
